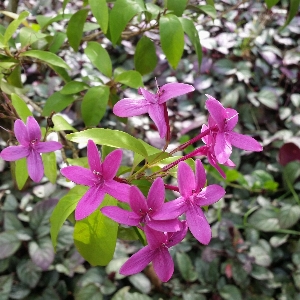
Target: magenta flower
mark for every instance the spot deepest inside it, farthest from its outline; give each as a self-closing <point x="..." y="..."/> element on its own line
<point x="144" y="210"/>
<point x="99" y="178"/>
<point x="157" y="252"/>
<point x="193" y="196"/>
<point x="29" y="137"/>
<point x="152" y="104"/>
<point x="222" y="121"/>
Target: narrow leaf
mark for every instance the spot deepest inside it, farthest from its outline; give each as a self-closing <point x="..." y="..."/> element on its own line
<point x="73" y="87"/>
<point x="100" y="11"/>
<point x="209" y="10"/>
<point x="21" y="172"/>
<point x="57" y="102"/>
<point x="271" y="3"/>
<point x="20" y="107"/>
<point x="50" y="166"/>
<point x="293" y="10"/>
<point x="177" y="7"/>
<point x="61" y="124"/>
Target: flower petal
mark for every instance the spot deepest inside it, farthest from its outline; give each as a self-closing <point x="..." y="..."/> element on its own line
<point x="121" y="216"/>
<point x="13" y="153"/>
<point x="35" y="166"/>
<point x="90" y="201"/>
<point x="244" y="142"/>
<point x="232" y="117"/>
<point x="43" y="147"/>
<point x="222" y="148"/>
<point x="217" y="111"/>
<point x="79" y="175"/>
<point x="165" y="225"/>
<point x="200" y="176"/>
<point x="93" y="157"/>
<point x="129" y="107"/>
<point x="137" y="201"/>
<point x="209" y="195"/>
<point x="152" y="98"/>
<point x="186" y="179"/>
<point x="177" y="237"/>
<point x="138" y="261"/>
<point x="156" y="113"/>
<point x="163" y="264"/>
<point x="198" y="224"/>
<point x="212" y="160"/>
<point x="171" y="210"/>
<point x="21" y="133"/>
<point x="205" y="139"/>
<point x="117" y="190"/>
<point x="156" y="195"/>
<point x="111" y="164"/>
<point x="155" y="238"/>
<point x="173" y="90"/>
<point x="33" y="129"/>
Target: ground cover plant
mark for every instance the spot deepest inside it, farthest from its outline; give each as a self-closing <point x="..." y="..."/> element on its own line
<point x="149" y="150"/>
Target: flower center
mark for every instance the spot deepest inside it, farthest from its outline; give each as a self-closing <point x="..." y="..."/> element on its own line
<point x="33" y="142"/>
<point x="98" y="177"/>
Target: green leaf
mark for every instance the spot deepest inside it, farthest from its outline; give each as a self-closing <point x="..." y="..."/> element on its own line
<point x="20" y="107"/>
<point x="293" y="10"/>
<point x="145" y="58"/>
<point x="131" y="78"/>
<point x="61" y="124"/>
<point x="172" y="38"/>
<point x="271" y="3"/>
<point x="47" y="57"/>
<point x="50" y="167"/>
<point x="6" y="282"/>
<point x="94" y="103"/>
<point x="100" y="11"/>
<point x="57" y="41"/>
<point x="15" y="77"/>
<point x="56" y="103"/>
<point x="12" y="27"/>
<point x="95" y="237"/>
<point x="209" y="10"/>
<point x="265" y="219"/>
<point x="229" y="292"/>
<point x="29" y="273"/>
<point x="28" y="36"/>
<point x="75" y="28"/>
<point x="268" y="98"/>
<point x="191" y="31"/>
<point x="109" y="137"/>
<point x="122" y="12"/>
<point x="90" y="291"/>
<point x="45" y="21"/>
<point x="63" y="209"/>
<point x="176" y="6"/>
<point x="186" y="267"/>
<point x="9" y="243"/>
<point x="41" y="252"/>
<point x="73" y="87"/>
<point x="21" y="172"/>
<point x="99" y="58"/>
<point x="289" y="215"/>
<point x="11" y="222"/>
<point x="125" y="294"/>
<point x="62" y="73"/>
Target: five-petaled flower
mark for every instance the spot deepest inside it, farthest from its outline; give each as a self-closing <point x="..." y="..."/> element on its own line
<point x="153" y="104"/>
<point x="156" y="251"/>
<point x="221" y="122"/>
<point x="100" y="179"/>
<point x="144" y="211"/>
<point x="29" y="137"/>
<point x="193" y="196"/>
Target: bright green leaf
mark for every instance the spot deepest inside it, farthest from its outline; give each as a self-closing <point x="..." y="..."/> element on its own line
<point x="94" y="103"/>
<point x="62" y="73"/>
<point x="209" y="10"/>
<point x="15" y="77"/>
<point x="28" y="36"/>
<point x="271" y="3"/>
<point x="63" y="209"/>
<point x="47" y="57"/>
<point x="21" y="172"/>
<point x="50" y="167"/>
<point x="100" y="11"/>
<point x="61" y="124"/>
<point x="57" y="41"/>
<point x="57" y="102"/>
<point x="21" y="107"/>
<point x="177" y="7"/>
<point x="131" y="78"/>
<point x="95" y="236"/>
<point x="122" y="12"/>
<point x="99" y="58"/>
<point x="172" y="38"/>
<point x="45" y="21"/>
<point x="293" y="10"/>
<point x="75" y="28"/>
<point x="109" y="137"/>
<point x="145" y="58"/>
<point x="73" y="87"/>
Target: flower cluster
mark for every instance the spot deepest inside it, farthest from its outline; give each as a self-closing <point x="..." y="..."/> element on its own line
<point x="165" y="224"/>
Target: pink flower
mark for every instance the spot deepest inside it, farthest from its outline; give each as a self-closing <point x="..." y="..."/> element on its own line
<point x="144" y="211"/>
<point x="99" y="178"/>
<point x="29" y="137"/>
<point x="193" y="196"/>
<point x="222" y="121"/>
<point x="152" y="104"/>
<point x="157" y="252"/>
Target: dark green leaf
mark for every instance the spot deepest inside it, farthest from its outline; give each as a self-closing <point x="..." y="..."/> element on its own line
<point x="265" y="219"/>
<point x="268" y="98"/>
<point x="141" y="282"/>
<point x="145" y="58"/>
<point x="289" y="215"/>
<point x="100" y="11"/>
<point x="94" y="104"/>
<point x="124" y="293"/>
<point x="90" y="291"/>
<point x="9" y="243"/>
<point x="75" y="28"/>
<point x="28" y="273"/>
<point x="57" y="41"/>
<point x="122" y="12"/>
<point x="261" y="273"/>
<point x="57" y="102"/>
<point x="11" y="222"/>
<point x="95" y="236"/>
<point x="230" y="292"/>
<point x="5" y="286"/>
<point x="62" y="73"/>
<point x="172" y="38"/>
<point x="185" y="267"/>
<point x="50" y="166"/>
<point x="14" y="78"/>
<point x="20" y="107"/>
<point x="177" y="7"/>
<point x="73" y="87"/>
<point x="293" y="10"/>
